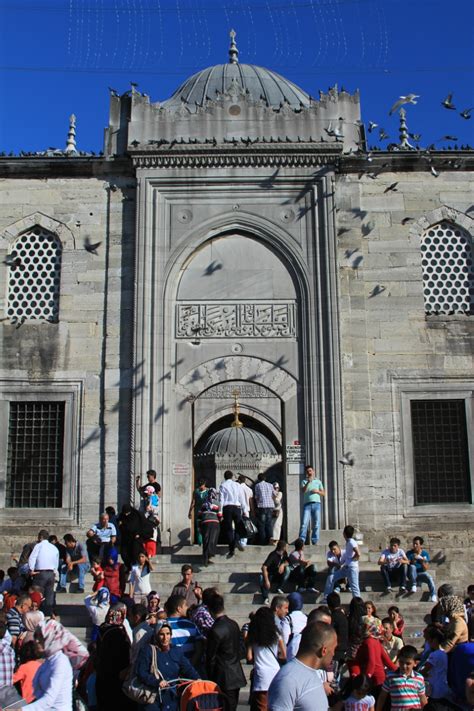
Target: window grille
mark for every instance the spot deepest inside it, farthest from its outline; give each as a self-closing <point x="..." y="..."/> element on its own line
<point x="34" y="277"/>
<point x="448" y="270"/>
<point x="35" y="455"/>
<point x="440" y="451"/>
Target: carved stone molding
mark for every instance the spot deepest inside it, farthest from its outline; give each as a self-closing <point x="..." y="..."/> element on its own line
<point x="247" y="391"/>
<point x="229" y="368"/>
<point x="235" y="159"/>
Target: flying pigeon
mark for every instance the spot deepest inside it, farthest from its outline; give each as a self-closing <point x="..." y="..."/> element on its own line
<point x="91" y="248"/>
<point x="347" y="459"/>
<point x="447" y="103"/>
<point x="377" y="290"/>
<point x="12" y="261"/>
<point x="408" y="99"/>
<point x="434" y="171"/>
<point x="466" y="113"/>
<point x="383" y="135"/>
<point x="371" y="126"/>
<point x="392" y="187"/>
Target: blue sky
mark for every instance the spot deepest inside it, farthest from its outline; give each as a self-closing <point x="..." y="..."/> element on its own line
<point x="60" y="56"/>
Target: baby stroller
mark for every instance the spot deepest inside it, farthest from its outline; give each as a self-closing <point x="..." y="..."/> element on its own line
<point x="202" y="695"/>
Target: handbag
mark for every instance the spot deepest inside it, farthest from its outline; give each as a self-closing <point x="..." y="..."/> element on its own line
<point x="276" y="513"/>
<point x="250" y="528"/>
<point x="139" y="692"/>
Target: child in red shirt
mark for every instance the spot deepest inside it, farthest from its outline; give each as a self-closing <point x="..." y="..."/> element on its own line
<point x="97" y="573"/>
<point x="112" y="575"/>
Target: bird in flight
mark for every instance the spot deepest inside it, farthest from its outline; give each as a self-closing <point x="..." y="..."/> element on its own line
<point x="347" y="459"/>
<point x="91" y="247"/>
<point x="448" y="103"/>
<point x="371" y="126"/>
<point x="392" y="187"/>
<point x="377" y="290"/>
<point x="466" y="113"/>
<point x="408" y="99"/>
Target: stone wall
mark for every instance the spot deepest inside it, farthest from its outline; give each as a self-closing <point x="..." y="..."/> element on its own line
<point x="89" y="351"/>
<point x="389" y="348"/>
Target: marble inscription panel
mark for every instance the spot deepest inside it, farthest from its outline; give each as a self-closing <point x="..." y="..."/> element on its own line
<point x="242" y="319"/>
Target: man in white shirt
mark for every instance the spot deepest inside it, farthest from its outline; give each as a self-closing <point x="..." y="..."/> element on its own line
<point x="394" y="566"/>
<point x="234" y="505"/>
<point x="248" y="493"/>
<point x="298" y="685"/>
<point x="43" y="565"/>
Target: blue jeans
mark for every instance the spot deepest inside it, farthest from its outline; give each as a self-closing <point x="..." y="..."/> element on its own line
<point x="397" y="574"/>
<point x="351" y="572"/>
<point x="82" y="569"/>
<point x="311" y="512"/>
<point x="264" y="525"/>
<point x="420" y="576"/>
<point x="278" y="578"/>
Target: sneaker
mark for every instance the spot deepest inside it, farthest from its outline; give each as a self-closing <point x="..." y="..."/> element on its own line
<point x="413" y="589"/>
<point x="402" y="589"/>
<point x="230" y="555"/>
<point x="266" y="601"/>
<point x="314" y="590"/>
<point x="61" y="590"/>
<point x="388" y="590"/>
<point x="280" y="591"/>
<point x="240" y="546"/>
<point x="433" y="598"/>
<point x="80" y="591"/>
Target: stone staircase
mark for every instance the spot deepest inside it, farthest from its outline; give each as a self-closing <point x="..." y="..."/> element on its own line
<point x="237" y="579"/>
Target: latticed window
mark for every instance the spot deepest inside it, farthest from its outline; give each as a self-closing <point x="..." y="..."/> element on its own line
<point x="35" y="455"/>
<point x="448" y="270"/>
<point x="34" y="276"/>
<point x="440" y="451"/>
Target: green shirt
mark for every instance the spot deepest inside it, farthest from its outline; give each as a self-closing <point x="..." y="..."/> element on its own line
<point x="309" y="496"/>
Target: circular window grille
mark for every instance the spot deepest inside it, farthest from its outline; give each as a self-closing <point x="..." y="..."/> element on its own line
<point x="448" y="270"/>
<point x="34" y="277"/>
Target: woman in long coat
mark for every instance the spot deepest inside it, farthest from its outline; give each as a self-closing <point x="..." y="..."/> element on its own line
<point x="134" y="529"/>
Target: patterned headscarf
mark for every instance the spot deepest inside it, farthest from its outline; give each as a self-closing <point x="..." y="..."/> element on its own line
<point x="451" y="605"/>
<point x="371" y="627"/>
<point x="57" y="638"/>
<point x="153" y="595"/>
<point x="212" y="499"/>
<point x="115" y="617"/>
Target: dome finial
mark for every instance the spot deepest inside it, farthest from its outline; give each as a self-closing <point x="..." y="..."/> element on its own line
<point x="71" y="136"/>
<point x="236" y="422"/>
<point x="233" y="51"/>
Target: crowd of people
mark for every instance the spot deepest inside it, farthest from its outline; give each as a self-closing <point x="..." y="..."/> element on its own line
<point x="341" y="657"/>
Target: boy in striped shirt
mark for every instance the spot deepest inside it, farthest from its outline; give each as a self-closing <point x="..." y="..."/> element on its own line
<point x="406" y="687"/>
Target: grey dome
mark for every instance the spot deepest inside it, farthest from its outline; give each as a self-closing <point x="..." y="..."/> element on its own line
<point x="258" y="83"/>
<point x="238" y="441"/>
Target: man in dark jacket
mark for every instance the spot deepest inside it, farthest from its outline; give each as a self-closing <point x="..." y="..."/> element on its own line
<point x="224" y="652"/>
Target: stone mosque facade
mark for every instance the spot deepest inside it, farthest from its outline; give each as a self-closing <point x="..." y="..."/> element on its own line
<point x="238" y="252"/>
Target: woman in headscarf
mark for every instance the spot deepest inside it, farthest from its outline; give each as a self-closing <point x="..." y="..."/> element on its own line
<point x="134" y="529"/>
<point x="31" y="620"/>
<point x="97" y="607"/>
<point x="277" y="497"/>
<point x="371" y="658"/>
<point x="171" y="663"/>
<point x="456" y="630"/>
<point x="297" y="620"/>
<point x="53" y="682"/>
<point x="113" y="659"/>
<point x="199" y="497"/>
<point x="209" y="519"/>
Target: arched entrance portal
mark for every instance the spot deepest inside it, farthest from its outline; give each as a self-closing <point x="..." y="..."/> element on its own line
<point x="247" y="450"/>
<point x="239" y="443"/>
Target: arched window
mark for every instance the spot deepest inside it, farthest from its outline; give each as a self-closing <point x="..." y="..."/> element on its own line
<point x="34" y="266"/>
<point x="448" y="270"/>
